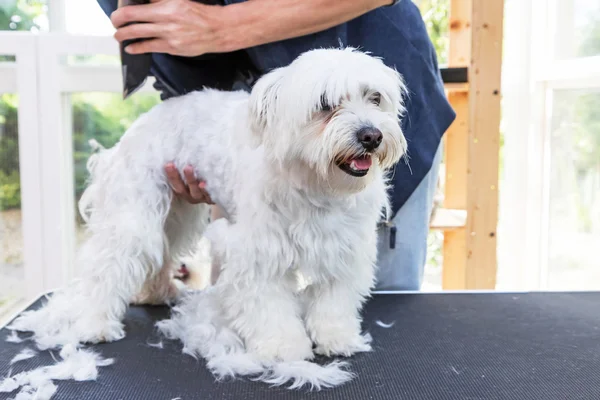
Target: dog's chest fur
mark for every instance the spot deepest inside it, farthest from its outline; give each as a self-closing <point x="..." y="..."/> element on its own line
<point x="328" y="240"/>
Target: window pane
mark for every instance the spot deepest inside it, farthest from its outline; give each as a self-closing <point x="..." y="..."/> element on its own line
<point x="24" y="15"/>
<point x="12" y="285"/>
<point x="103" y="117"/>
<point x="577" y="29"/>
<point x="574" y="207"/>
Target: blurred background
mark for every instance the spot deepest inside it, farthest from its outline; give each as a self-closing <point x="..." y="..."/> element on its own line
<point x="60" y="85"/>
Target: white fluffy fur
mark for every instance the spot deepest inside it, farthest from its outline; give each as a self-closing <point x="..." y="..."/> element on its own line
<point x="24" y="354"/>
<point x="270" y="160"/>
<point x="13" y="337"/>
<point x="77" y="364"/>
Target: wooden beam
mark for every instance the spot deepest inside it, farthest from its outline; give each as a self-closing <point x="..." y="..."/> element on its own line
<point x="455" y="242"/>
<point x="456" y="87"/>
<point x="472" y="144"/>
<point x="484" y="142"/>
<point x="459" y="52"/>
<point x="454" y="269"/>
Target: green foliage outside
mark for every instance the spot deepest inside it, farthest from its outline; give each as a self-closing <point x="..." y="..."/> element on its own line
<point x="20" y="15"/>
<point x="436" y="14"/>
<point x="15" y="15"/>
<point x="10" y="187"/>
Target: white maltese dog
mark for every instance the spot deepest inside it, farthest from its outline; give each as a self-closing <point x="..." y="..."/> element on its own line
<point x="299" y="166"/>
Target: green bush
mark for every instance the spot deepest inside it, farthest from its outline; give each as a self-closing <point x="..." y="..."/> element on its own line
<point x="10" y="190"/>
<point x="10" y="194"/>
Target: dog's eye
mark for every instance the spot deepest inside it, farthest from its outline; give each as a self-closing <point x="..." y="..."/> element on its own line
<point x="375" y="98"/>
<point x="325" y="106"/>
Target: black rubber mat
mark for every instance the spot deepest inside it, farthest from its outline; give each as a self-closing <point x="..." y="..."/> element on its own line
<point x="441" y="346"/>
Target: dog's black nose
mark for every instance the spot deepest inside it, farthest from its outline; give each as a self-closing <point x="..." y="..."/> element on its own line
<point x="369" y="137"/>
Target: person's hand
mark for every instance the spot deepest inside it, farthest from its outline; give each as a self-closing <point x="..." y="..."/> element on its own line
<point x="193" y="190"/>
<point x="176" y="27"/>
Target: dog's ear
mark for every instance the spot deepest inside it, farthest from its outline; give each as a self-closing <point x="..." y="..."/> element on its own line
<point x="398" y="96"/>
<point x="263" y="103"/>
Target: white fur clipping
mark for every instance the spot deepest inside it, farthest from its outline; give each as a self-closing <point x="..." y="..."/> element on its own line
<point x="13" y="337"/>
<point x="384" y="325"/>
<point x="44" y="392"/>
<point x="158" y="345"/>
<point x="198" y="323"/>
<point x="25" y="354"/>
<point x="77" y="364"/>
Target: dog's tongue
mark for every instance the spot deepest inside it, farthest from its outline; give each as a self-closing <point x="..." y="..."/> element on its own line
<point x="361" y="163"/>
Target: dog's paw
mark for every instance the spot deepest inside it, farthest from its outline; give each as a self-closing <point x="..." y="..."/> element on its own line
<point x="106" y="331"/>
<point x="282" y="349"/>
<point x="343" y="344"/>
<point x="156" y="296"/>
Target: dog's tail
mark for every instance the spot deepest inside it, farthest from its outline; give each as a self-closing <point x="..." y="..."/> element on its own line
<point x="199" y="325"/>
<point x="97" y="162"/>
<point x="98" y="152"/>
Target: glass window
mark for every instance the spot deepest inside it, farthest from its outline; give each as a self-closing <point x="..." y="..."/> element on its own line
<point x="577" y="29"/>
<point x="574" y="203"/>
<point x="104" y="117"/>
<point x="12" y="283"/>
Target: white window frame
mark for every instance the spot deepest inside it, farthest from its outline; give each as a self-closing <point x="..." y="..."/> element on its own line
<point x="56" y="82"/>
<point x="20" y="77"/>
<point x="530" y="75"/>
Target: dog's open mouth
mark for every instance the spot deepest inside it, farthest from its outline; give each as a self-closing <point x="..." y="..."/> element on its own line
<point x="357" y="166"/>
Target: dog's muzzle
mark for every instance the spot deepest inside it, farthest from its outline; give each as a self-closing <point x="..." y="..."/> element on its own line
<point x="369" y="137"/>
<point x="357" y="166"/>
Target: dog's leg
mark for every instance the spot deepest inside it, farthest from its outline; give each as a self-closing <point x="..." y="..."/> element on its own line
<point x="333" y="313"/>
<point x="183" y="229"/>
<point x="125" y="245"/>
<point x="158" y="289"/>
<point x="267" y="316"/>
<point x="264" y="312"/>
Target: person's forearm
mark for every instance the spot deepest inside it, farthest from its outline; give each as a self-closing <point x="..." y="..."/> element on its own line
<point x="257" y="22"/>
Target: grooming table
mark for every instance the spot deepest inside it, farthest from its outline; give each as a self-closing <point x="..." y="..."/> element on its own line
<point x="441" y="346"/>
